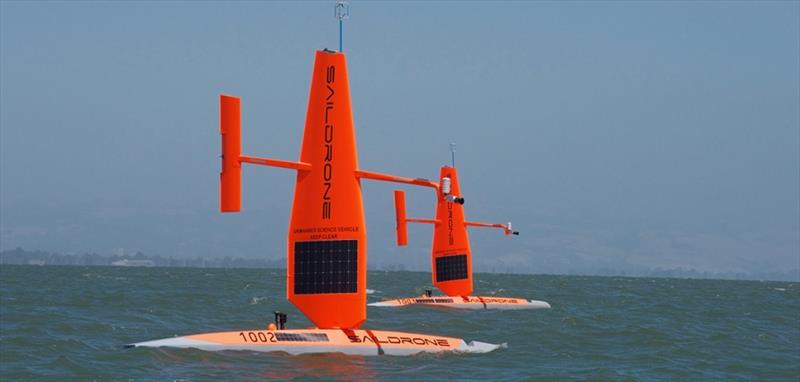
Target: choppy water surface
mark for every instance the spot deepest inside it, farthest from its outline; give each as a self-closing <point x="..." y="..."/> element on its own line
<point x="69" y="323"/>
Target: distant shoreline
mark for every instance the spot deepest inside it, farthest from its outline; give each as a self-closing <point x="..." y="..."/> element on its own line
<point x="21" y="256"/>
<point x="420" y="271"/>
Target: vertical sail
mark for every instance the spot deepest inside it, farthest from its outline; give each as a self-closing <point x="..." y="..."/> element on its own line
<point x="326" y="271"/>
<point x="326" y="247"/>
<point x="452" y="257"/>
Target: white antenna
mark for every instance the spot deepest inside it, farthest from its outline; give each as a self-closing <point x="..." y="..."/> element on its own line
<point x="453" y="153"/>
<point x="342" y="12"/>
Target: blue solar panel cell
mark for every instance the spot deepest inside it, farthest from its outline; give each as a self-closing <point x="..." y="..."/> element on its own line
<point x="322" y="267"/>
<point x="451" y="268"/>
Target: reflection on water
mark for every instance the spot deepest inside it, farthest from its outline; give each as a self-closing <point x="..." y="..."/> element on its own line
<point x="338" y="367"/>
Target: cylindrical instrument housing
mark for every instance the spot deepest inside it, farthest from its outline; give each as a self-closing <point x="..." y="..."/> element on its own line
<point x="446" y="185"/>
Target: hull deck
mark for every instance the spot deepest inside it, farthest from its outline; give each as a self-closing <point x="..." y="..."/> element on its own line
<point x="465" y="302"/>
<point x="307" y="341"/>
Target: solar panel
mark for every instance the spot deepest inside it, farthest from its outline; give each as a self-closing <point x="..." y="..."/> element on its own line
<point x="433" y="300"/>
<point x="451" y="267"/>
<point x="306" y="337"/>
<point x="329" y="266"/>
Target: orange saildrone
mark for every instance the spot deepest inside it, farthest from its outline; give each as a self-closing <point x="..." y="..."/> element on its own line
<point x="451" y="256"/>
<point x="327" y="240"/>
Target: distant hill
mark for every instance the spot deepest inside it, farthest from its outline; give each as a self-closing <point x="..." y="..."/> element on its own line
<point x="25" y="257"/>
<point x="21" y="256"/>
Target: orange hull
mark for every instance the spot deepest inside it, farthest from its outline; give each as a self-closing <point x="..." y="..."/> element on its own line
<point x="465" y="302"/>
<point x="307" y="341"/>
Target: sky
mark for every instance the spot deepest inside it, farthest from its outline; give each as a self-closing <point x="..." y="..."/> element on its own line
<point x="614" y="135"/>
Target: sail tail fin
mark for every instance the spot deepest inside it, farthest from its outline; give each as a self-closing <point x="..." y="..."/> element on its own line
<point x="400" y="216"/>
<point x="231" y="175"/>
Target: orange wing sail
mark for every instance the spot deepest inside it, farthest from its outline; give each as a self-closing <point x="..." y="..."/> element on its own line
<point x="451" y="259"/>
<point x="451" y="256"/>
<point x="327" y="240"/>
<point x="326" y="266"/>
<point x="327" y="263"/>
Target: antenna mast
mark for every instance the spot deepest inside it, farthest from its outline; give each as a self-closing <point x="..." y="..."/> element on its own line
<point x="453" y="153"/>
<point x="342" y="12"/>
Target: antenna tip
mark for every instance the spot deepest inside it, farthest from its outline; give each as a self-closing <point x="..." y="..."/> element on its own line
<point x="342" y="10"/>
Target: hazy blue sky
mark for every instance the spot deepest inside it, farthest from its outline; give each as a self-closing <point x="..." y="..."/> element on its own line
<point x="613" y="134"/>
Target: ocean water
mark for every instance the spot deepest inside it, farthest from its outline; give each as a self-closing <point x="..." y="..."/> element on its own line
<point x="70" y="323"/>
